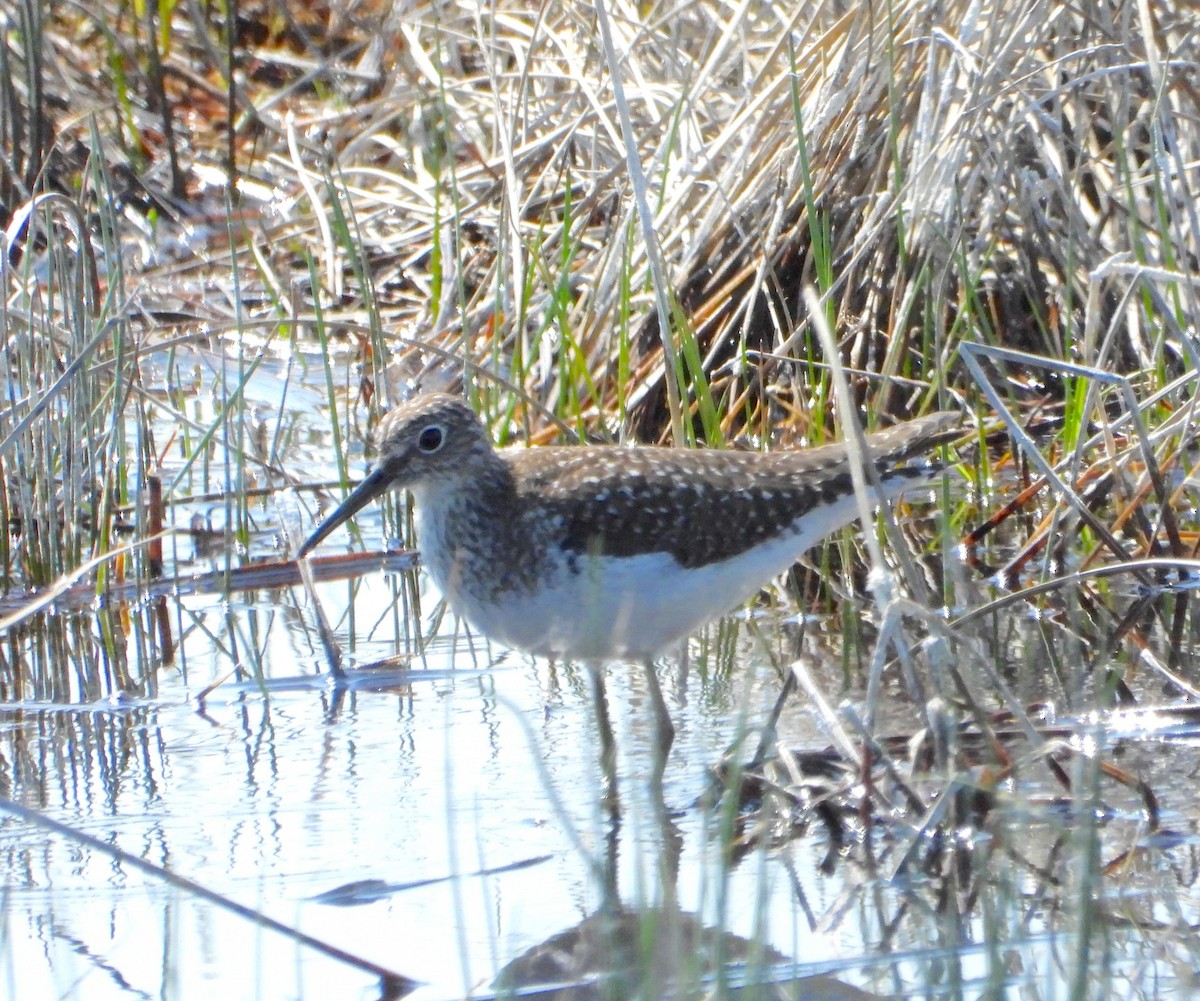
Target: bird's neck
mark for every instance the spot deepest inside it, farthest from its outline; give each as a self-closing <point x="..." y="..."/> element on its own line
<point x="465" y="519"/>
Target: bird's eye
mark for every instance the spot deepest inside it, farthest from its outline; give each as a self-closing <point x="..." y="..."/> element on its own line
<point x="431" y="439"/>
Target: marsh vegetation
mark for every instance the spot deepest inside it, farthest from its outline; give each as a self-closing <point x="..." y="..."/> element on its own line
<point x="234" y="236"/>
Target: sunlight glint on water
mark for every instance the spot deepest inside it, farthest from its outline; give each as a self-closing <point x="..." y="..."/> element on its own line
<point x="272" y="801"/>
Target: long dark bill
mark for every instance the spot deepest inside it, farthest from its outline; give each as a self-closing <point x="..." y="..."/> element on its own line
<point x="375" y="485"/>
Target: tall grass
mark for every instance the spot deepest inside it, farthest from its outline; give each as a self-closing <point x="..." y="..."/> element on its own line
<point x="601" y="226"/>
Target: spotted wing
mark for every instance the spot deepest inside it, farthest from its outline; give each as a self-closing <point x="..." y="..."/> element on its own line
<point x="699" y="505"/>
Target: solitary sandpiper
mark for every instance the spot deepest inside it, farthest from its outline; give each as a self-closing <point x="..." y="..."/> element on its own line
<point x="597" y="553"/>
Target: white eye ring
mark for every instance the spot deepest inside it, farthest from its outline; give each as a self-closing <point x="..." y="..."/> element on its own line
<point x="431" y="439"/>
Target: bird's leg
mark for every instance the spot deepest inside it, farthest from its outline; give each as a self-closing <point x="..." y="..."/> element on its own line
<point x="768" y="736"/>
<point x="608" y="743"/>
<point x="671" y="845"/>
<point x="664" y="728"/>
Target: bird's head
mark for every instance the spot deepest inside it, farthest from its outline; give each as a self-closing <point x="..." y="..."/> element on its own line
<point x="430" y="437"/>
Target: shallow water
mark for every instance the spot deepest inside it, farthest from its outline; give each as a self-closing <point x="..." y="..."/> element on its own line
<point x="468" y="760"/>
<point x="442" y="816"/>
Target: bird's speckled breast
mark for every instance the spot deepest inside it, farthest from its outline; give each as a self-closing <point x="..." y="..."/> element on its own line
<point x="479" y="547"/>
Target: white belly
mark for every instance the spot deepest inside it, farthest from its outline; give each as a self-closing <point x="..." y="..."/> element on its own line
<point x="627" y="608"/>
<point x="632" y="608"/>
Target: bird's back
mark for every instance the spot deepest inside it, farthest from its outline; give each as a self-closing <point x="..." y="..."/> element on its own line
<point x="702" y="505"/>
